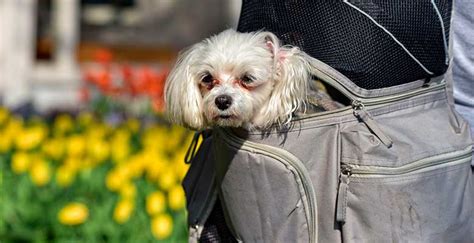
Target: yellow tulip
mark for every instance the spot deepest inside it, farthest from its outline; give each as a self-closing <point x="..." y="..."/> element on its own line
<point x="88" y="163"/>
<point x="73" y="214"/>
<point x="155" y="139"/>
<point x="85" y="119"/>
<point x="180" y="168"/>
<point x="128" y="190"/>
<point x="178" y="130"/>
<point x="96" y="131"/>
<point x="167" y="179"/>
<point x="135" y="165"/>
<point x="123" y="210"/>
<point x="63" y="123"/>
<point x="162" y="226"/>
<point x="153" y="170"/>
<point x="98" y="149"/>
<point x="133" y="125"/>
<point x="72" y="162"/>
<point x="14" y="126"/>
<point x="156" y="160"/>
<point x="182" y="141"/>
<point x="176" y="198"/>
<point x="150" y="156"/>
<point x="155" y="203"/>
<point x="120" y="151"/>
<point x="173" y="144"/>
<point x="121" y="136"/>
<point x="65" y="175"/>
<point x="30" y="138"/>
<point x="4" y="115"/>
<point x="54" y="148"/>
<point x="40" y="172"/>
<point x="115" y="179"/>
<point x="76" y="145"/>
<point x="21" y="162"/>
<point x="6" y="142"/>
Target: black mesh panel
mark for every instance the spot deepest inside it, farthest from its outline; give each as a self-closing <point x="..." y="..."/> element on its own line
<point x="376" y="44"/>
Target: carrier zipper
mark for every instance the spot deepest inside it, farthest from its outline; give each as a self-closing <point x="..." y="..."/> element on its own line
<point x="341" y="87"/>
<point x="453" y="158"/>
<point x="288" y="159"/>
<point x="372" y="102"/>
<point x="349" y="171"/>
<point x="359" y="103"/>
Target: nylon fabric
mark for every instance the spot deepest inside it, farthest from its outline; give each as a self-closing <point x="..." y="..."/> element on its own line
<point x="263" y="198"/>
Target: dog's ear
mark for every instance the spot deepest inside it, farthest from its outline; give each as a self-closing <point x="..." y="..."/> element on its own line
<point x="182" y="96"/>
<point x="272" y="42"/>
<point x="291" y="77"/>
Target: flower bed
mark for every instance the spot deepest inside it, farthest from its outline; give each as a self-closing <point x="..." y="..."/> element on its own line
<point x="79" y="179"/>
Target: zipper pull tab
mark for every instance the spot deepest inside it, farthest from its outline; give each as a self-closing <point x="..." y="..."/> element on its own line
<point x="366" y="118"/>
<point x="341" y="204"/>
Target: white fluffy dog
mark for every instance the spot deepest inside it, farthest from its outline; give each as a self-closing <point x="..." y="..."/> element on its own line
<point x="239" y="80"/>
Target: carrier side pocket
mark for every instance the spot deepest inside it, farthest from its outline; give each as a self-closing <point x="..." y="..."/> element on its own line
<point x="429" y="200"/>
<point x="267" y="192"/>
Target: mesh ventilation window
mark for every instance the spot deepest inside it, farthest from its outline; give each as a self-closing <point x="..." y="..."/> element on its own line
<point x="376" y="44"/>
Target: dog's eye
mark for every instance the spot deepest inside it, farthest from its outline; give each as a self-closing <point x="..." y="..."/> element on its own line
<point x="207" y="78"/>
<point x="247" y="79"/>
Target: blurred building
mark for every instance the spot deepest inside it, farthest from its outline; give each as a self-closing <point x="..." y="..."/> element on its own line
<point x="43" y="43"/>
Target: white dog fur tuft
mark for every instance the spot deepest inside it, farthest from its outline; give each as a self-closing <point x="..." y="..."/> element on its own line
<point x="182" y="97"/>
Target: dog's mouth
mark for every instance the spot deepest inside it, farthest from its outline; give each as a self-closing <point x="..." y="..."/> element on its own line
<point x="227" y="120"/>
<point x="225" y="116"/>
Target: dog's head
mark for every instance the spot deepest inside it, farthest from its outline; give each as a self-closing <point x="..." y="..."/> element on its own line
<point x="236" y="79"/>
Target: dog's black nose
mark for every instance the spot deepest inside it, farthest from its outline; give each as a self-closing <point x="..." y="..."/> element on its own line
<point x="223" y="102"/>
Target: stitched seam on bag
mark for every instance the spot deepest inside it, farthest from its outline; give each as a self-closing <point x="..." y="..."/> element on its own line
<point x="408" y="104"/>
<point x="440" y="151"/>
<point x="413" y="177"/>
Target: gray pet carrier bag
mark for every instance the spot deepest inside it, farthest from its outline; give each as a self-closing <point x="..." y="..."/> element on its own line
<point x="391" y="166"/>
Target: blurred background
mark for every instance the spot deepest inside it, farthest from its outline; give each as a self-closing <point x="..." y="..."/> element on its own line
<point x="85" y="152"/>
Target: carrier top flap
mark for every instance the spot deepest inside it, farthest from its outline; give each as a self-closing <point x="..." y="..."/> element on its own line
<point x="375" y="44"/>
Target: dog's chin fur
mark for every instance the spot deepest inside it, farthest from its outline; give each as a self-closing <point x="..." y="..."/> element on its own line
<point x="279" y="82"/>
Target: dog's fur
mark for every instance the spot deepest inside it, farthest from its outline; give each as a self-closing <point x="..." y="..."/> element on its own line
<point x="237" y="79"/>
